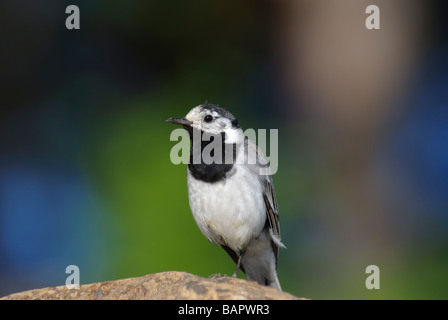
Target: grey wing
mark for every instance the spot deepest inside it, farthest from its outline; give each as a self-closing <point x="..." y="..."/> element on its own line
<point x="258" y="162"/>
<point x="272" y="216"/>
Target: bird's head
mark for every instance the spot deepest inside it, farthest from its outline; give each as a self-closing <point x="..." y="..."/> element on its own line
<point x="212" y="119"/>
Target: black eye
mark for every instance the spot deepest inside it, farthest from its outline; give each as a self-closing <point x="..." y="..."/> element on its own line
<point x="208" y="118"/>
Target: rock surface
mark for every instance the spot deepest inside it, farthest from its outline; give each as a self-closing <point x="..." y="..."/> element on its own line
<point x="160" y="286"/>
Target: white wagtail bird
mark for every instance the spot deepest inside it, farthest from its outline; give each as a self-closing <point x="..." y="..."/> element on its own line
<point x="233" y="202"/>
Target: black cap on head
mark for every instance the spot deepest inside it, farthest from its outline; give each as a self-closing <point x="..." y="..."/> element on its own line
<point x="222" y="112"/>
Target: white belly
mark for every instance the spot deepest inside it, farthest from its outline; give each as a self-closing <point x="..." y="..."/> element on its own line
<point x="228" y="213"/>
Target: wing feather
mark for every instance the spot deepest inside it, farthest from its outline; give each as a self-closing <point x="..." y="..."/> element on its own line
<point x="257" y="161"/>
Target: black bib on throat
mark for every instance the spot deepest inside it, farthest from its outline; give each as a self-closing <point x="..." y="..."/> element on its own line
<point x="212" y="172"/>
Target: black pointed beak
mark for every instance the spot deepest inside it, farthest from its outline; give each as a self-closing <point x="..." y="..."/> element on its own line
<point x="180" y="121"/>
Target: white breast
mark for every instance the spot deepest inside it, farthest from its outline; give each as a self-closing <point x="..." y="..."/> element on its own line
<point x="230" y="211"/>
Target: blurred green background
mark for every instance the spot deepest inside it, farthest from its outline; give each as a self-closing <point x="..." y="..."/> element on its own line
<point x="85" y="171"/>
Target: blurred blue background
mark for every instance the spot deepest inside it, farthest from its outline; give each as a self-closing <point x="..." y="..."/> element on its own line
<point x="85" y="172"/>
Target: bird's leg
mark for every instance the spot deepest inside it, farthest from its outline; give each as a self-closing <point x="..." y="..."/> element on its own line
<point x="238" y="264"/>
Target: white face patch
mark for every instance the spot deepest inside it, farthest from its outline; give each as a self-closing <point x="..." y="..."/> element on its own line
<point x="218" y="125"/>
<point x="234" y="135"/>
<point x="197" y="115"/>
<point x="194" y="114"/>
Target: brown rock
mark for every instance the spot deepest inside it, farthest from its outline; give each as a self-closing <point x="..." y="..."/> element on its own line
<point x="170" y="285"/>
